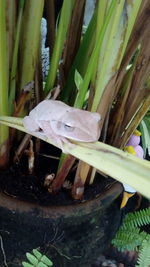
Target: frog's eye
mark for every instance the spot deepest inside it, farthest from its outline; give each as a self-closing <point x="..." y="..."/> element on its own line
<point x="68" y="128"/>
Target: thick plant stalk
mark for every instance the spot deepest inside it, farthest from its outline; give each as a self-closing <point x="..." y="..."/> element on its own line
<point x="50" y="14"/>
<point x="62" y="173"/>
<point x="82" y="173"/>
<point x="101" y="14"/>
<point x="102" y="8"/>
<point x="30" y="39"/>
<point x="74" y="36"/>
<point x="13" y="74"/>
<point x="59" y="43"/>
<point x="11" y="10"/>
<point x="114" y="162"/>
<point x="4" y="131"/>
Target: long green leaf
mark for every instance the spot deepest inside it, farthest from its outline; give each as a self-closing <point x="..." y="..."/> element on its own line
<point x="116" y="163"/>
<point x="3" y="73"/>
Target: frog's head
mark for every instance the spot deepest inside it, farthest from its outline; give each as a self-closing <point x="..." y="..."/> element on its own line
<point x="79" y="125"/>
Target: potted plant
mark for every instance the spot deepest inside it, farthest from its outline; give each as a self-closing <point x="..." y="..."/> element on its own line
<point x="105" y="70"/>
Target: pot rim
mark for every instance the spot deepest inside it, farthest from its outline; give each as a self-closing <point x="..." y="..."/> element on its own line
<point x="103" y="199"/>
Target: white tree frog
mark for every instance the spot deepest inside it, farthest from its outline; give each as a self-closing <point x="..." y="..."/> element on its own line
<point x="59" y="121"/>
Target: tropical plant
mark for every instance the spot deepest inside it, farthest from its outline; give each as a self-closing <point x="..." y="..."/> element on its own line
<point x="131" y="237"/>
<point x="106" y="70"/>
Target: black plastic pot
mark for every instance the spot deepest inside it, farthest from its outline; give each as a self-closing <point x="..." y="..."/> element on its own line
<point x="71" y="235"/>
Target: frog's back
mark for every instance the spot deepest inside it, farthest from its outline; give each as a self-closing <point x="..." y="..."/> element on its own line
<point x="49" y="109"/>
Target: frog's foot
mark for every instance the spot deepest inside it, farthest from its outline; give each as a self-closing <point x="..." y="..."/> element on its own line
<point x="61" y="141"/>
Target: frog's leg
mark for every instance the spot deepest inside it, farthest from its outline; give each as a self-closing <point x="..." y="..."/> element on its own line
<point x="60" y="140"/>
<point x="30" y="124"/>
<point x="63" y="141"/>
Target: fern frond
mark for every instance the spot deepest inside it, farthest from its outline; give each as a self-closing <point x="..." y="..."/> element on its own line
<point x="144" y="253"/>
<point x="128" y="239"/>
<point x="137" y="218"/>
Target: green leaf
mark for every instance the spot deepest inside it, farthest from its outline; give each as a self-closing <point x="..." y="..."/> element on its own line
<point x="37" y="254"/>
<point x="32" y="258"/>
<point x="78" y="79"/>
<point x="37" y="260"/>
<point x="41" y="264"/>
<point x="46" y="260"/>
<point x="25" y="264"/>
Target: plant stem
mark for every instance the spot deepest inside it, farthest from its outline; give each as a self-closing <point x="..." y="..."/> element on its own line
<point x="4" y="133"/>
<point x="74" y="36"/>
<point x="30" y="39"/>
<point x="11" y="11"/>
<point x="12" y="92"/>
<point x="62" y="173"/>
<point x="50" y="14"/>
<point x="59" y="43"/>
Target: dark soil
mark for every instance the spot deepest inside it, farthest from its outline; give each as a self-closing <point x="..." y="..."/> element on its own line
<point x="17" y="183"/>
